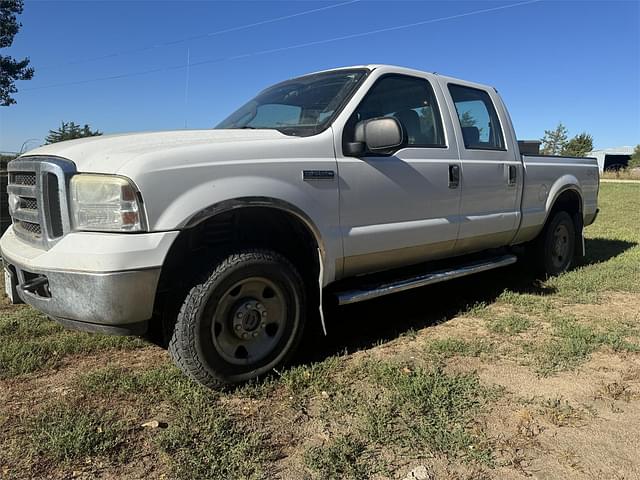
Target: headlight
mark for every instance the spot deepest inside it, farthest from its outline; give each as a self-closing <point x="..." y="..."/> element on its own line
<point x="105" y="203"/>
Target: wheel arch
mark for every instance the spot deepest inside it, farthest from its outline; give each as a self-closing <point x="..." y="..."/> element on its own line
<point x="255" y="202"/>
<point x="238" y="223"/>
<point x="568" y="198"/>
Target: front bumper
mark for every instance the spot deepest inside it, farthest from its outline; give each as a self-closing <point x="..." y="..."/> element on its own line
<point x="101" y="295"/>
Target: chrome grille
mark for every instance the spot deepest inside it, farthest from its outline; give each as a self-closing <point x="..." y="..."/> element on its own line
<point x="37" y="186"/>
<point x="23" y="178"/>
<point x="28" y="227"/>
<point x="28" y="203"/>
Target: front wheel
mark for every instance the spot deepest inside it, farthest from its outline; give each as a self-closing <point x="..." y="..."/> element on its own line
<point x="243" y="319"/>
<point x="556" y="246"/>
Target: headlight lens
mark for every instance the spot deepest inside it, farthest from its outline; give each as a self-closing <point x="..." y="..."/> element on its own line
<point x="105" y="203"/>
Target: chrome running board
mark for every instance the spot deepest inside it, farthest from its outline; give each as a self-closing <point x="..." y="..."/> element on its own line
<point x="400" y="285"/>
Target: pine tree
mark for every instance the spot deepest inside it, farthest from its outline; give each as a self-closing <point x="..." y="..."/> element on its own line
<point x="554" y="141"/>
<point x="468" y="120"/>
<point x="11" y="69"/>
<point x="578" y="146"/>
<point x="69" y="131"/>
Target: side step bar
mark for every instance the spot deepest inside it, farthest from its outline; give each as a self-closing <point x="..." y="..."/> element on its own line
<point x="400" y="285"/>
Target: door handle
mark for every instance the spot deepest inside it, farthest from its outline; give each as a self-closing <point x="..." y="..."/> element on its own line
<point x="454" y="176"/>
<point x="513" y="172"/>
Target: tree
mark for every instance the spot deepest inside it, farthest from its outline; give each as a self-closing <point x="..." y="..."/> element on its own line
<point x="69" y="131"/>
<point x="634" y="161"/>
<point x="11" y="69"/>
<point x="554" y="141"/>
<point x="578" y="146"/>
<point x="468" y="120"/>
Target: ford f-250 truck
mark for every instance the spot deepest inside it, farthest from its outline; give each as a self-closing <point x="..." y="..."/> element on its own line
<point x="224" y="241"/>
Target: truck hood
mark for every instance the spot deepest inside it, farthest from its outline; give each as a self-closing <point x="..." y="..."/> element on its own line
<point x="110" y="153"/>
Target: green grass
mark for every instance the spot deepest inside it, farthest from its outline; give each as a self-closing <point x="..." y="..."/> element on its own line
<point x="511" y="324"/>
<point x="304" y="381"/>
<point x="452" y="346"/>
<point x="163" y="382"/>
<point x="31" y="342"/>
<point x="63" y="432"/>
<point x="573" y="342"/>
<point x="526" y="303"/>
<point x="426" y="411"/>
<point x="613" y="249"/>
<point x="478" y="309"/>
<point x="205" y="440"/>
<point x="342" y="458"/>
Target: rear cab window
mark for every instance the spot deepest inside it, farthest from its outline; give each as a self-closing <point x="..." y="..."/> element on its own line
<point x="478" y="119"/>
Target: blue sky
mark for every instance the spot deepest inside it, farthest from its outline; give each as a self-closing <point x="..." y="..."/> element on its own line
<point x="572" y="61"/>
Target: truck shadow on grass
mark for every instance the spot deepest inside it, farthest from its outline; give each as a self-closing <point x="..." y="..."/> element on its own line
<point x="364" y="325"/>
<point x="603" y="249"/>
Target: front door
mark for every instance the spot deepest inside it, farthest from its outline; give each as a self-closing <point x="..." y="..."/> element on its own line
<point x="400" y="209"/>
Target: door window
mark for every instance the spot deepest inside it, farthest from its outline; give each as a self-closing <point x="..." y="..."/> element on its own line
<point x="411" y="101"/>
<point x="478" y="119"/>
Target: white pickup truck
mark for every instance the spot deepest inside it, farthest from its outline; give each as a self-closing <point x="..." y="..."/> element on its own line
<point x="224" y="241"/>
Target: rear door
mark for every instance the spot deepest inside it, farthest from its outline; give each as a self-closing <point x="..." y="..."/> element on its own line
<point x="491" y="178"/>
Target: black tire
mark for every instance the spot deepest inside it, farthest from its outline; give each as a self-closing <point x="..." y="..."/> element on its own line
<point x="243" y="319"/>
<point x="555" y="248"/>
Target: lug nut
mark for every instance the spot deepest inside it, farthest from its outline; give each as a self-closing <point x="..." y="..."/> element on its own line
<point x="245" y="335"/>
<point x="262" y="325"/>
<point x="255" y="334"/>
<point x="238" y="327"/>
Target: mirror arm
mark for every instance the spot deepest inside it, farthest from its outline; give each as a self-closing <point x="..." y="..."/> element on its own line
<point x="354" y="149"/>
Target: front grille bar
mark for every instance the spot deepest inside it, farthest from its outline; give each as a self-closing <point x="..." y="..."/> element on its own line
<point x="41" y="215"/>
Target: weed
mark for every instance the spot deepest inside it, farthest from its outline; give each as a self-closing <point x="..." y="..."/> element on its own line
<point x="64" y="432"/>
<point x="31" y="342"/>
<point x="478" y="309"/>
<point x="420" y="409"/>
<point x="342" y="458"/>
<point x="526" y="302"/>
<point x="573" y="342"/>
<point x="304" y="381"/>
<point x="561" y="413"/>
<point x="510" y="324"/>
<point x="206" y="441"/>
<point x="450" y="347"/>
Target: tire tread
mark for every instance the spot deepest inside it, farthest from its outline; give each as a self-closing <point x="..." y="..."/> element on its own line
<point x="184" y="339"/>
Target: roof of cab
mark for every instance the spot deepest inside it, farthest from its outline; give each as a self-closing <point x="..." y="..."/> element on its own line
<point x="408" y="71"/>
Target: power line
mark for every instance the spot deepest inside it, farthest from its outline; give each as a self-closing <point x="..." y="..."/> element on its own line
<point x="289" y="47"/>
<point x="199" y="36"/>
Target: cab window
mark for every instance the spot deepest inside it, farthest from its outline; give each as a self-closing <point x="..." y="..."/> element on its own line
<point x="411" y="101"/>
<point x="478" y="118"/>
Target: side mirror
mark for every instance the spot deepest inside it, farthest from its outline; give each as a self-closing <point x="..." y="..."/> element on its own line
<point x="377" y="135"/>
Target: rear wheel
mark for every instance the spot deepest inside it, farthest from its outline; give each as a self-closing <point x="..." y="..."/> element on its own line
<point x="556" y="246"/>
<point x="243" y="319"/>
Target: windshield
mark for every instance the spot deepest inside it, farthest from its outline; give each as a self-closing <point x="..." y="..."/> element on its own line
<point x="302" y="106"/>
